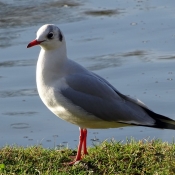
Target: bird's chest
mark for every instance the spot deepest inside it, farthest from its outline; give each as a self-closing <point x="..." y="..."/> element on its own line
<point x="50" y="94"/>
<point x="58" y="104"/>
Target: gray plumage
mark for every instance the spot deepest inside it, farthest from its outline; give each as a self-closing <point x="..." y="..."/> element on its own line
<point x="81" y="97"/>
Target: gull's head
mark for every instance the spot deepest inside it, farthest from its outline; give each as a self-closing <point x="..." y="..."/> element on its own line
<point x="49" y="37"/>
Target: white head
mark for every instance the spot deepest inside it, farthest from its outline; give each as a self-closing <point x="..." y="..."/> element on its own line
<point x="49" y="37"/>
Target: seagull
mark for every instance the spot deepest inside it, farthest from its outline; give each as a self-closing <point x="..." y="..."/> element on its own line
<point x="82" y="97"/>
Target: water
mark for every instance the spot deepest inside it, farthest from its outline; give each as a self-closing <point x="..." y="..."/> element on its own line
<point x="130" y="43"/>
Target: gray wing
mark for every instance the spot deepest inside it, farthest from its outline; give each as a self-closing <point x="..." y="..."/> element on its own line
<point x="136" y="101"/>
<point x="96" y="96"/>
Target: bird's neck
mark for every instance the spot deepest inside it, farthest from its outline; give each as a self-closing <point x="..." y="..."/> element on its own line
<point x="51" y="59"/>
<point x="50" y="63"/>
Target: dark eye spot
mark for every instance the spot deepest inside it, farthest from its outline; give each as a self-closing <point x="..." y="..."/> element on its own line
<point x="60" y="36"/>
<point x="50" y="35"/>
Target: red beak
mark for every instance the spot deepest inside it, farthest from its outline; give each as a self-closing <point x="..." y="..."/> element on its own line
<point x="34" y="43"/>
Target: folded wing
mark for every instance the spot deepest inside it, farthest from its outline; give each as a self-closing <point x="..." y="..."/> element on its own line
<point x="97" y="97"/>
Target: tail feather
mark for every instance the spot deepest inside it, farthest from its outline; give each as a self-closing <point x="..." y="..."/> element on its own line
<point x="161" y="121"/>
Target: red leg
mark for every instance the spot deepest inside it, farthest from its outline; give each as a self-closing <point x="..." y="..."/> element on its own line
<point x="84" y="142"/>
<point x="81" y="140"/>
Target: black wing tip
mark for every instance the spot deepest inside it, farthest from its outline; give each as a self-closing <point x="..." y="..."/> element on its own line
<point x="162" y="122"/>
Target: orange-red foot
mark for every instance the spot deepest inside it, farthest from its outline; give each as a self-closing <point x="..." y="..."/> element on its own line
<point x="82" y="143"/>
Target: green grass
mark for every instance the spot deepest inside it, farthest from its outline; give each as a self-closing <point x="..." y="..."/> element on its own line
<point x="133" y="158"/>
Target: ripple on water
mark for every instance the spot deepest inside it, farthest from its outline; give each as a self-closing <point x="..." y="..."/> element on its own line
<point x="17" y="14"/>
<point x="16" y="93"/>
<point x="20" y="125"/>
<point x="15" y="63"/>
<point x="104" y="12"/>
<point x="20" y="113"/>
<point x="25" y="13"/>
